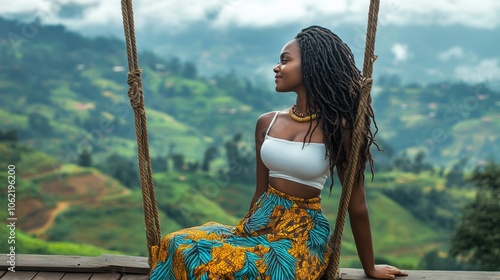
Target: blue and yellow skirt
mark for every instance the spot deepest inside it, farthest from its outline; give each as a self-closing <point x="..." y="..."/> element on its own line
<point x="282" y="237"/>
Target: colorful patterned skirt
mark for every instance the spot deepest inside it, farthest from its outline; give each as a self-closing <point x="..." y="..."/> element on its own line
<point x="282" y="237"/>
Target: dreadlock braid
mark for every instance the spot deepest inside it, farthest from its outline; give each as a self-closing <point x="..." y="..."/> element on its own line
<point x="333" y="86"/>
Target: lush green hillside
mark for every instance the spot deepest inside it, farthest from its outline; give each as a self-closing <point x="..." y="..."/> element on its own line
<point x="445" y="121"/>
<point x="62" y="92"/>
<point x="25" y="244"/>
<point x="84" y="206"/>
<point x="71" y="90"/>
<point x="66" y="123"/>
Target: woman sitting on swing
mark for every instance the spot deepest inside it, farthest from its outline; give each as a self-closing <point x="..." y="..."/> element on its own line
<point x="285" y="236"/>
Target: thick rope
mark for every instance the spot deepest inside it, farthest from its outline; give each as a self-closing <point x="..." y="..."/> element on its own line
<point x="358" y="139"/>
<point x="136" y="96"/>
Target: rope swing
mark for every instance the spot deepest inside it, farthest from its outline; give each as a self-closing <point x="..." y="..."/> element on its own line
<point x="358" y="139"/>
<point x="136" y="96"/>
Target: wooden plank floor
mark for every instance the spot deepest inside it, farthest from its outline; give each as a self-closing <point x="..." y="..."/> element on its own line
<point x="357" y="274"/>
<point x="347" y="274"/>
<point x="46" y="275"/>
<point x="104" y="267"/>
<point x="111" y="267"/>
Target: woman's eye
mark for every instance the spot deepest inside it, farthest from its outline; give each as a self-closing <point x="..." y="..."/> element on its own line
<point x="283" y="61"/>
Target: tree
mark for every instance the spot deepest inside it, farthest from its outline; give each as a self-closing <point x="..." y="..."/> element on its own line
<point x="240" y="162"/>
<point x="125" y="172"/>
<point x="477" y="236"/>
<point x="85" y="158"/>
<point x="178" y="161"/>
<point x="189" y="71"/>
<point x="9" y="136"/>
<point x="192" y="166"/>
<point x="10" y="149"/>
<point x="433" y="260"/>
<point x="159" y="164"/>
<point x="210" y="155"/>
<point x="122" y="169"/>
<point x="420" y="164"/>
<point x="416" y="165"/>
<point x="174" y="65"/>
<point x="456" y="176"/>
<point x="39" y="124"/>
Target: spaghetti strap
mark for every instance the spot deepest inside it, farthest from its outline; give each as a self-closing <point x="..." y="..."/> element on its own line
<point x="272" y="122"/>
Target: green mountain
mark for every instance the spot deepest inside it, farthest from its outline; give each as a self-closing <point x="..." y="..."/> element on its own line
<point x="68" y="126"/>
<point x="63" y="92"/>
<point x="445" y="121"/>
<point x="70" y="205"/>
<point x="68" y="209"/>
<point x="71" y="90"/>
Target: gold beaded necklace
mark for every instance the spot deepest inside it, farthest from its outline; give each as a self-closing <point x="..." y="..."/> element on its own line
<point x="301" y="117"/>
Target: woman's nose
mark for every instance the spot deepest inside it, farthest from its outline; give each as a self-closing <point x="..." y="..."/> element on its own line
<point x="276" y="68"/>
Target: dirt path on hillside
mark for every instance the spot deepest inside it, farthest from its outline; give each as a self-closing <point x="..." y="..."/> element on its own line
<point x="63" y="205"/>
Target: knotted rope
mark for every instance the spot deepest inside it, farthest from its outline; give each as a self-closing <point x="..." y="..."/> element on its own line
<point x="358" y="139"/>
<point x="136" y="96"/>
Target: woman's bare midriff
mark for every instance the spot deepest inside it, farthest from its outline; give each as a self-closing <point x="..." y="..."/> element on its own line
<point x="294" y="188"/>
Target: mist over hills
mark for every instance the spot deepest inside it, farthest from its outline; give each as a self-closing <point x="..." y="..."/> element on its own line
<point x="416" y="54"/>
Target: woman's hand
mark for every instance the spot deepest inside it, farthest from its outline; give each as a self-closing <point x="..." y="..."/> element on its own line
<point x="385" y="272"/>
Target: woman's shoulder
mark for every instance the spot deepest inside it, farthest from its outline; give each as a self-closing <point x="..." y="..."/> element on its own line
<point x="265" y="120"/>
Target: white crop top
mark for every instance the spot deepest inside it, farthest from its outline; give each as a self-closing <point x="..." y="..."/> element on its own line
<point x="288" y="160"/>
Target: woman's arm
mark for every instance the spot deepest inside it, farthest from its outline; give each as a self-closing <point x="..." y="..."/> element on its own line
<point x="262" y="172"/>
<point x="360" y="223"/>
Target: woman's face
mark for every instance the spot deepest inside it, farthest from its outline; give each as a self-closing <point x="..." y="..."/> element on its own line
<point x="288" y="71"/>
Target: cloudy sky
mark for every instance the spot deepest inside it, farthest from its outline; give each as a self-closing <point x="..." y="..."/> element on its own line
<point x="260" y="13"/>
<point x="104" y="16"/>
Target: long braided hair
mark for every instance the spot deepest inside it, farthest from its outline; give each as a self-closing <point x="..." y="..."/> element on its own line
<point x="333" y="86"/>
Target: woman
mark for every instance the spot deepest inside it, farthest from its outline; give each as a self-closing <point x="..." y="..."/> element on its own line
<point x="285" y="235"/>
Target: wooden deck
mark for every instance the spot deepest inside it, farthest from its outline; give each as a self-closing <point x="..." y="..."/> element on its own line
<point x="357" y="274"/>
<point x="111" y="267"/>
<point x="104" y="267"/>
